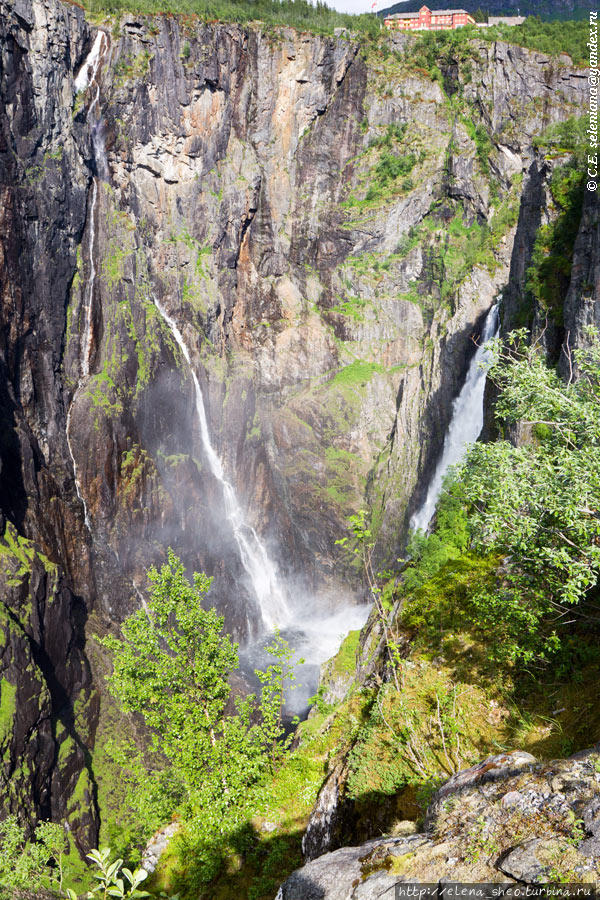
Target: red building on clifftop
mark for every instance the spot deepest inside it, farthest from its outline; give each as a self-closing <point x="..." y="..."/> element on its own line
<point x="428" y="20"/>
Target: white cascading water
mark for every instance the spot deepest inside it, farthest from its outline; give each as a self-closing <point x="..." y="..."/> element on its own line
<point x="259" y="568"/>
<point x="86" y="516"/>
<point x="88" y="74"/>
<point x="465" y="425"/>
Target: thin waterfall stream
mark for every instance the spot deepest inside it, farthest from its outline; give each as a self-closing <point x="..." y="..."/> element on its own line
<point x="258" y="566"/>
<point x="88" y="75"/>
<point x="466" y="423"/>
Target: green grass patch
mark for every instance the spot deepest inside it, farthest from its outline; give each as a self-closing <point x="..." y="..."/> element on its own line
<point x="358" y="373"/>
<point x="8" y="705"/>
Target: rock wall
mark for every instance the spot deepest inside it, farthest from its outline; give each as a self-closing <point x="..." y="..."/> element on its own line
<point x="47" y="577"/>
<point x="237" y="176"/>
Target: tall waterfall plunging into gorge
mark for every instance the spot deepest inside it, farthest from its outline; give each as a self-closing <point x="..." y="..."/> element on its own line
<point x="258" y="566"/>
<point x="465" y="425"/>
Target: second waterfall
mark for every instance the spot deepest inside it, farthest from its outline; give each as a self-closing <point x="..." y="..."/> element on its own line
<point x="465" y="425"/>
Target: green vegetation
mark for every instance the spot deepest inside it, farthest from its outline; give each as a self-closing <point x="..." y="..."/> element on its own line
<point x="392" y="157"/>
<point x="532" y="506"/>
<point x="209" y="752"/>
<point x="299" y="14"/>
<point x="498" y="604"/>
<point x="8" y="696"/>
<point x="552" y="38"/>
<point x="114" y="880"/>
<point x="432" y="51"/>
<point x="435" y="50"/>
<point x="358" y="372"/>
<point x="26" y="864"/>
<point x="550" y="271"/>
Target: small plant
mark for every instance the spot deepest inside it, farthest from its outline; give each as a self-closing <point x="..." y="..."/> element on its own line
<point x="186" y="51"/>
<point x="577" y="830"/>
<point x="112" y="877"/>
<point x="481" y="841"/>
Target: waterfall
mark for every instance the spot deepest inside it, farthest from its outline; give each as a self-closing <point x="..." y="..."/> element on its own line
<point x="255" y="560"/>
<point x="77" y="486"/>
<point x="88" y="75"/>
<point x="87" y="306"/>
<point x="465" y="425"/>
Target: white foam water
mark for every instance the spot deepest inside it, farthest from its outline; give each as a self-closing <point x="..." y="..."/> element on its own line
<point x="314" y="638"/>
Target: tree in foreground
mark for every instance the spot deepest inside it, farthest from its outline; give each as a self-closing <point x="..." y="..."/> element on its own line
<point x="172" y="666"/>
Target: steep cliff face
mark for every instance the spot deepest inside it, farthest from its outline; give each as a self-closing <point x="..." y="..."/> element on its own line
<point x="47" y="578"/>
<point x="582" y="303"/>
<point x="329" y="327"/>
<point x="309" y="219"/>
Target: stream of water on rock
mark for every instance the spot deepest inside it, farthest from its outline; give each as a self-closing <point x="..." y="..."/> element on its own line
<point x="259" y="568"/>
<point x="88" y="74"/>
<point x="466" y="423"/>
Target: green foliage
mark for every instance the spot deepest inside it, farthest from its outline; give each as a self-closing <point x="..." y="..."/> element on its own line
<point x="352" y="307"/>
<point x="358" y="372"/>
<point x="565" y="137"/>
<point x="417" y="736"/>
<point x="317" y="17"/>
<point x="26" y="864"/>
<point x="8" y="695"/>
<point x="550" y="271"/>
<point x="433" y="50"/>
<point x="208" y="753"/>
<point x="552" y="38"/>
<point x="483" y="143"/>
<point x="359" y="543"/>
<point x="537" y="504"/>
<point x="389" y="168"/>
<point x="114" y="880"/>
<point x="277" y="680"/>
<point x="428" y="553"/>
<point x="395" y="132"/>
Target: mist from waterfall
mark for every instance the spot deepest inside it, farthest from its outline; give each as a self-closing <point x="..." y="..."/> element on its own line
<point x="466" y="423"/>
<point x="259" y="568"/>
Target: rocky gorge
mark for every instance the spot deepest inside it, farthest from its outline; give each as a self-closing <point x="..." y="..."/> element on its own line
<point x="203" y="209"/>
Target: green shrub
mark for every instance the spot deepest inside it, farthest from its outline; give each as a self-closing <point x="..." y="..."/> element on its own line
<point x="552" y="38"/>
